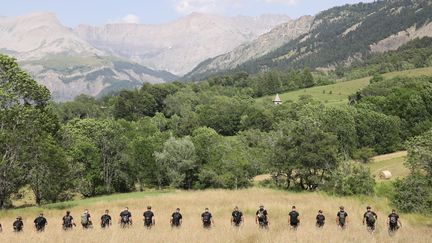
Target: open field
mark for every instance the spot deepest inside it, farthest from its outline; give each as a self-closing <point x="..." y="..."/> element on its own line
<point x="337" y="94"/>
<point x="220" y="203"/>
<point x="392" y="162"/>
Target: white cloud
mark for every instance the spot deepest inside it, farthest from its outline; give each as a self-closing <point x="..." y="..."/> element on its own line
<point x="220" y="6"/>
<point x="130" y="19"/>
<point x="288" y="2"/>
<point x="127" y="19"/>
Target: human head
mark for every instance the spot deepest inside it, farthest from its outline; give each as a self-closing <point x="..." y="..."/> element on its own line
<point x="393" y="210"/>
<point x="126" y="209"/>
<point x="236" y="208"/>
<point x="41" y="214"/>
<point x="368" y="208"/>
<point x="293" y="208"/>
<point x="106" y="211"/>
<point x="261" y="207"/>
<point x="206" y="209"/>
<point x="67" y="212"/>
<point x="19" y="218"/>
<point x="86" y="210"/>
<point x="320" y="211"/>
<point x="148" y="207"/>
<point x="341" y="208"/>
<point x="178" y="210"/>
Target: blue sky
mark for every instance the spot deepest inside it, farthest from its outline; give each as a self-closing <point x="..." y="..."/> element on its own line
<point x="99" y="12"/>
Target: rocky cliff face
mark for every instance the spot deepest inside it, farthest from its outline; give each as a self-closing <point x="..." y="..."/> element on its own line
<point x="264" y="44"/>
<point x="68" y="65"/>
<point x="180" y="45"/>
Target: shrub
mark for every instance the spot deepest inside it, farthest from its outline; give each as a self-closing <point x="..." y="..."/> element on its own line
<point x="351" y="178"/>
<point x="413" y="194"/>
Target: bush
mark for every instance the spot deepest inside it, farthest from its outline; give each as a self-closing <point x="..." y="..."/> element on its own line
<point x="413" y="194"/>
<point x="351" y="178"/>
<point x="364" y="154"/>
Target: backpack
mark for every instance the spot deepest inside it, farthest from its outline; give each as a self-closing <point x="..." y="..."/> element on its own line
<point x="67" y="221"/>
<point x="342" y="218"/>
<point x="176" y="218"/>
<point x="393" y="219"/>
<point x="17" y="225"/>
<point x="206" y="218"/>
<point x="84" y="219"/>
<point x="370" y="218"/>
<point x="237" y="217"/>
<point x="105" y="220"/>
<point x="125" y="219"/>
<point x="261" y="215"/>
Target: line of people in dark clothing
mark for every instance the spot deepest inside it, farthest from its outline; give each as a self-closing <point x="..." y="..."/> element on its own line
<point x="261" y="219"/>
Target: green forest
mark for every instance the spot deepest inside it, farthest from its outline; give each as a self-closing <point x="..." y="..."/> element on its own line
<point x="214" y="134"/>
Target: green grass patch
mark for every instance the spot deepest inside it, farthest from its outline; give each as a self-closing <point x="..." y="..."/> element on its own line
<point x="337" y="94"/>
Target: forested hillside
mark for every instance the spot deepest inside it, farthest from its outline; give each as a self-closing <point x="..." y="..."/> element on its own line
<point x="342" y="35"/>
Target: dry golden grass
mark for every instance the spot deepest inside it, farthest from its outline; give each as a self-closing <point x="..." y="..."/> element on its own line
<point x="221" y="202"/>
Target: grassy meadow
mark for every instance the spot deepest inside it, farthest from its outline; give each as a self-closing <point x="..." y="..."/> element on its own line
<point x="337" y="94"/>
<point x="220" y="202"/>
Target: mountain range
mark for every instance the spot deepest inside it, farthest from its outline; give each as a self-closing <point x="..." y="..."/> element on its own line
<point x="98" y="60"/>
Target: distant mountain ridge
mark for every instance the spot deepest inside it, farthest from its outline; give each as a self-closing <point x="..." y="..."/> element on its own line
<point x="98" y="60"/>
<point x="180" y="45"/>
<point x="337" y="36"/>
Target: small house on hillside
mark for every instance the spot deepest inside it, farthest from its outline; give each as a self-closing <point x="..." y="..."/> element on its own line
<point x="277" y="100"/>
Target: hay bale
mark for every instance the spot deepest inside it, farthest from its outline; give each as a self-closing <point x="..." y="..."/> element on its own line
<point x="385" y="175"/>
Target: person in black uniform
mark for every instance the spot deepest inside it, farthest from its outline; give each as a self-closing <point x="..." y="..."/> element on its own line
<point x="106" y="220"/>
<point x="320" y="219"/>
<point x="148" y="218"/>
<point x="176" y="219"/>
<point x="294" y="218"/>
<point x="125" y="218"/>
<point x="40" y="222"/>
<point x="237" y="217"/>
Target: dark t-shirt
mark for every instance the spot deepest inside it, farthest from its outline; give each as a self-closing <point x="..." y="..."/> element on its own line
<point x="294" y="217"/>
<point x="105" y="219"/>
<point x="264" y="215"/>
<point x="40" y="221"/>
<point x="67" y="221"/>
<point x="393" y="218"/>
<point x="148" y="216"/>
<point x="237" y="215"/>
<point x="125" y="215"/>
<point x="320" y="219"/>
<point x="366" y="216"/>
<point x="176" y="217"/>
<point x="206" y="217"/>
<point x="18" y="225"/>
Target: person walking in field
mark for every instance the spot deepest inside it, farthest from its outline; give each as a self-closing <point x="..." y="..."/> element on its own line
<point x="262" y="218"/>
<point x="342" y="218"/>
<point x="320" y="219"/>
<point x="106" y="220"/>
<point x="40" y="222"/>
<point x="148" y="218"/>
<point x="294" y="218"/>
<point x="18" y="225"/>
<point x="125" y="218"/>
<point x="176" y="219"/>
<point x="370" y="218"/>
<point x="207" y="219"/>
<point x="68" y="222"/>
<point x="393" y="222"/>
<point x="237" y="217"/>
<point x="86" y="221"/>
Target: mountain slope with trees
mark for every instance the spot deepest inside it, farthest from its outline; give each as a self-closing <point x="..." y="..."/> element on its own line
<point x="341" y="35"/>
